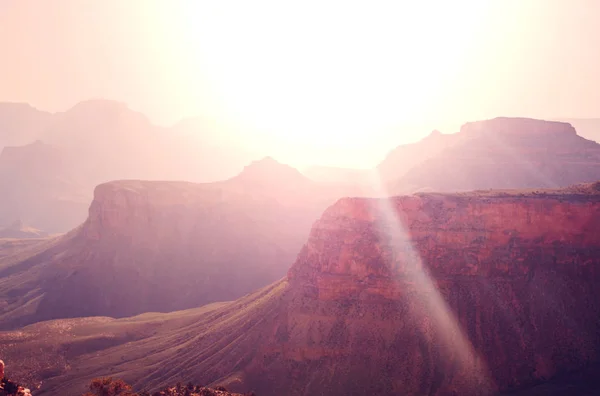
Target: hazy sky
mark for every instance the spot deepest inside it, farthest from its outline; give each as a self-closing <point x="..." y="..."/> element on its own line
<point x="346" y="80"/>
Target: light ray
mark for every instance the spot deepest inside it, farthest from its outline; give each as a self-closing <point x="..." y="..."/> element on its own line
<point x="419" y="285"/>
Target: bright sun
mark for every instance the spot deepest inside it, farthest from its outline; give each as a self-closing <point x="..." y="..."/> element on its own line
<point x="330" y="70"/>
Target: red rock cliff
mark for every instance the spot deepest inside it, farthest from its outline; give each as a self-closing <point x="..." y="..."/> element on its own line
<point x="446" y="294"/>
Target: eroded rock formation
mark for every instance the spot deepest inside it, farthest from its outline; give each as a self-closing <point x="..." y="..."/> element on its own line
<point x="450" y="293"/>
<point x="430" y="294"/>
<point x="498" y="153"/>
<point x="165" y="246"/>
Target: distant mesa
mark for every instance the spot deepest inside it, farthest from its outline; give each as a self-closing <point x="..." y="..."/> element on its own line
<point x="519" y="126"/>
<point x="497" y="153"/>
<point x="49" y="183"/>
<point x="196" y="243"/>
<point x="93" y="142"/>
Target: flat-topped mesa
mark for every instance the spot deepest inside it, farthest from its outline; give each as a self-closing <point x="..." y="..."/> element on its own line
<point x="135" y="209"/>
<point x="363" y="248"/>
<point x="518" y="127"/>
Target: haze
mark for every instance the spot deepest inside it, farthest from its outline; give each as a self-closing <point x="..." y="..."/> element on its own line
<point x="329" y="83"/>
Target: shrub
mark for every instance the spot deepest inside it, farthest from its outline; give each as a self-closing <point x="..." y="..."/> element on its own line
<point x="110" y="387"/>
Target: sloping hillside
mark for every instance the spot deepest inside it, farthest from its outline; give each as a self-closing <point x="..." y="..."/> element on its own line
<point x="431" y="294"/>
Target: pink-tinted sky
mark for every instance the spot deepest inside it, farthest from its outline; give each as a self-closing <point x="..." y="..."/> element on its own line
<point x="314" y="73"/>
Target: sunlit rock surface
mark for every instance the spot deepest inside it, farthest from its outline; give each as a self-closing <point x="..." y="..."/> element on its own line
<point x="449" y="294"/>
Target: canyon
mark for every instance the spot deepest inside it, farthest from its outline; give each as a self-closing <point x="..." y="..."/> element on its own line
<point x="439" y="294"/>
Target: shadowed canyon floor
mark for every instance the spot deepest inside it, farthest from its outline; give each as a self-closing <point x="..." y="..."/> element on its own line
<point x="438" y="294"/>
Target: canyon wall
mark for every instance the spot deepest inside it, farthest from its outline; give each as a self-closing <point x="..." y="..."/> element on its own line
<point x="444" y="294"/>
<point x="432" y="294"/>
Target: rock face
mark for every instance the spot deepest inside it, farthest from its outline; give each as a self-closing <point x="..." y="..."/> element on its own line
<point x="164" y="246"/>
<point x="452" y="293"/>
<point x="497" y="153"/>
<point x="430" y="294"/>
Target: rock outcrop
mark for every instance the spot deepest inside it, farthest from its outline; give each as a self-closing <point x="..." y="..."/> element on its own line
<point x="438" y="294"/>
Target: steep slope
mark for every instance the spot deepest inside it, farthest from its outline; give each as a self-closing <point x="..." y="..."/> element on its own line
<point x="508" y="153"/>
<point x="429" y="294"/>
<point x="163" y="246"/>
<point x="588" y="128"/>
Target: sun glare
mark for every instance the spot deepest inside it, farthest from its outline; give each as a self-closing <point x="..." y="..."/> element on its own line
<point x="323" y="74"/>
